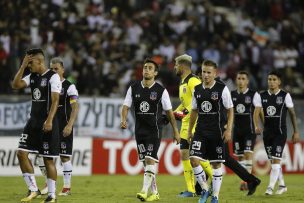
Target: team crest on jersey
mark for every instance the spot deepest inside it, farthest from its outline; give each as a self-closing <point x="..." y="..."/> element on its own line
<point x="219" y="150"/>
<point x="150" y="147"/>
<point x="63" y="145"/>
<point x="214" y="95"/>
<point x="43" y="82"/>
<point x="247" y="100"/>
<point x="62" y="91"/>
<point x="279" y="100"/>
<point x="45" y="145"/>
<point x="153" y="95"/>
<point x="184" y="90"/>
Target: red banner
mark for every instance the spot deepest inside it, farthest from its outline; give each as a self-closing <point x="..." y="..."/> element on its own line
<point x="120" y="157"/>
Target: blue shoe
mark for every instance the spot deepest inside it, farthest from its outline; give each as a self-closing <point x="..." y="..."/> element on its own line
<point x="204" y="196"/>
<point x="214" y="199"/>
<point x="187" y="194"/>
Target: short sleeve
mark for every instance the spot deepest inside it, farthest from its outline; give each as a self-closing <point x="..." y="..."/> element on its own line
<point x="72" y="91"/>
<point x="257" y="101"/>
<point x="128" y="99"/>
<point x="26" y="79"/>
<point x="165" y="100"/>
<point x="55" y="83"/>
<point x="288" y="101"/>
<point x="226" y="96"/>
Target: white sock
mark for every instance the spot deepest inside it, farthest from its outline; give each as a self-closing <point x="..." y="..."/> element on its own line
<point x="154" y="186"/>
<point x="217" y="181"/>
<point x="200" y="177"/>
<point x="243" y="163"/>
<point x="274" y="174"/>
<point x="148" y="177"/>
<point x="42" y="167"/>
<point x="51" y="187"/>
<point x="249" y="165"/>
<point x="67" y="174"/>
<point x="30" y="181"/>
<point x="281" y="178"/>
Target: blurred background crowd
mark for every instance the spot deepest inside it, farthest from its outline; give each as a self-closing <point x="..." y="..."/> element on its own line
<point x="103" y="42"/>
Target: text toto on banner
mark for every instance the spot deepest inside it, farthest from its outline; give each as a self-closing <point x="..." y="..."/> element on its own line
<point x="101" y="117"/>
<point x="120" y="157"/>
<point x="9" y="165"/>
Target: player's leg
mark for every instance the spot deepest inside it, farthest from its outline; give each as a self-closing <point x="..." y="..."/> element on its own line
<point x="66" y="149"/>
<point x="42" y="168"/>
<point x="49" y="151"/>
<point x="67" y="175"/>
<point x="231" y="163"/>
<point x="238" y="148"/>
<point x="197" y="154"/>
<point x="27" y="144"/>
<point x="248" y="151"/>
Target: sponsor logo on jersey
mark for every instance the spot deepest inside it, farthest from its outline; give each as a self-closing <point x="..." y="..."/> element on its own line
<point x="240" y="108"/>
<point x="153" y="96"/>
<point x="214" y="95"/>
<point x="43" y="82"/>
<point x="144" y="106"/>
<point x="206" y="106"/>
<point x="36" y="94"/>
<point x="264" y="100"/>
<point x="279" y="100"/>
<point x="271" y="110"/>
<point x="137" y="95"/>
<point x="247" y="100"/>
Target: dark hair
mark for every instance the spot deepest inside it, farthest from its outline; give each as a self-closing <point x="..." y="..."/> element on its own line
<point x="210" y="63"/>
<point x="148" y="60"/>
<point x="34" y="51"/>
<point x="242" y="72"/>
<point x="276" y="73"/>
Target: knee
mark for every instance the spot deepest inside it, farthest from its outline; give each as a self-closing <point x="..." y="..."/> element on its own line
<point x="185" y="154"/>
<point x="194" y="162"/>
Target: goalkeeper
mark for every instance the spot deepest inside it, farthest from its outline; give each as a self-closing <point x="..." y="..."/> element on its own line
<point x="182" y="112"/>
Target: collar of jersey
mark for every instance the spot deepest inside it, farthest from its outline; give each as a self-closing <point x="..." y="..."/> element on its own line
<point x="244" y="91"/>
<point x="274" y="93"/>
<point x="208" y="87"/>
<point x="148" y="87"/>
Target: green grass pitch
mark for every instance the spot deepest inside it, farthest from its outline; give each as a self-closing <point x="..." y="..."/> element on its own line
<point x="122" y="189"/>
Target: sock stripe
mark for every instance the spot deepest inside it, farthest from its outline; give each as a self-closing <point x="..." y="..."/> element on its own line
<point x="199" y="173"/>
<point x="67" y="171"/>
<point x="150" y="172"/>
<point x="217" y="176"/>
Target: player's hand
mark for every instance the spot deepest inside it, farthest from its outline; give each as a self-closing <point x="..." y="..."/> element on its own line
<point x="47" y="126"/>
<point x="67" y="130"/>
<point x="258" y="130"/>
<point x="26" y="61"/>
<point x="295" y="137"/>
<point x="190" y="137"/>
<point x="177" y="137"/>
<point x="227" y="135"/>
<point x="179" y="115"/>
<point x="123" y="125"/>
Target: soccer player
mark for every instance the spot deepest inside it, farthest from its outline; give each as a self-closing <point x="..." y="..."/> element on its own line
<point x="66" y="113"/>
<point x="188" y="82"/>
<point x="274" y="104"/>
<point x="40" y="134"/>
<point x="149" y="99"/>
<point x="208" y="104"/>
<point x="244" y="134"/>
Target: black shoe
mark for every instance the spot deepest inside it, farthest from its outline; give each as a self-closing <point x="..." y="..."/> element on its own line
<point x="252" y="186"/>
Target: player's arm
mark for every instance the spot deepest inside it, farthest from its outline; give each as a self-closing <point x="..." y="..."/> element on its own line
<point x="258" y="113"/>
<point x="289" y="104"/>
<point x="228" y="104"/>
<point x="167" y="106"/>
<point x="193" y="117"/>
<point x="191" y="84"/>
<point x="55" y="93"/>
<point x="18" y="82"/>
<point x="73" y="94"/>
<point x="125" y="108"/>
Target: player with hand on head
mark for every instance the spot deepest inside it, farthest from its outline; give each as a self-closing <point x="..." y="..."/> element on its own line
<point x="40" y="135"/>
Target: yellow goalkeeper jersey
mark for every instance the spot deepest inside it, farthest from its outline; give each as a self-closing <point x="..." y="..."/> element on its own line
<point x="186" y="89"/>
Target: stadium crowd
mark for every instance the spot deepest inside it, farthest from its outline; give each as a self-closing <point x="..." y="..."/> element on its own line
<point x="104" y="42"/>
